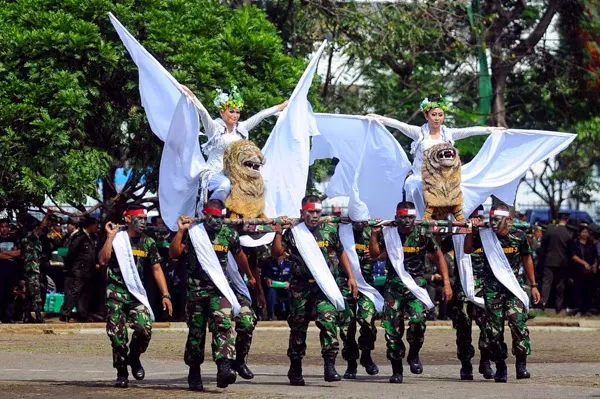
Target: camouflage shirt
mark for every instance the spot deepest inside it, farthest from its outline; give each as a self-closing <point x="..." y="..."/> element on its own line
<point x="198" y="282"/>
<point x="32" y="253"/>
<point x="328" y="240"/>
<point x="415" y="245"/>
<point x="145" y="255"/>
<point x="362" y="246"/>
<point x="514" y="246"/>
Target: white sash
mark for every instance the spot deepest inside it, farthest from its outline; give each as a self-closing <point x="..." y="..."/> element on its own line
<point x="347" y="239"/>
<point x="122" y="247"/>
<point x="313" y="257"/>
<point x="236" y="278"/>
<point x="210" y="264"/>
<point x="465" y="270"/>
<point x="395" y="253"/>
<point x="500" y="266"/>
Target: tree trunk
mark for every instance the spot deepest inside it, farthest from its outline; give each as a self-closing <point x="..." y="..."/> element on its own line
<point x="500" y="73"/>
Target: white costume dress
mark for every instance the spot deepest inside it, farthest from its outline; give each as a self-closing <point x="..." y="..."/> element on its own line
<point x="421" y="142"/>
<point x="212" y="177"/>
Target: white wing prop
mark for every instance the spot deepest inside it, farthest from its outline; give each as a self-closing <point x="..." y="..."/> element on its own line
<point x="173" y="119"/>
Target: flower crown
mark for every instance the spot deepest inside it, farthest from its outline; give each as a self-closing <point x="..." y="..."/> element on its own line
<point x="228" y="99"/>
<point x="427" y="105"/>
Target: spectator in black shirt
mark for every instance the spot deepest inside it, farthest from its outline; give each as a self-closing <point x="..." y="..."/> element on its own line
<point x="585" y="267"/>
<point x="9" y="269"/>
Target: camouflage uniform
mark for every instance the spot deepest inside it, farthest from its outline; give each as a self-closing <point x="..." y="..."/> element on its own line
<point x="465" y="311"/>
<point x="501" y="304"/>
<point x="122" y="307"/>
<point x="32" y="253"/>
<point x="306" y="294"/>
<point x="400" y="301"/>
<point x="360" y="310"/>
<point x="245" y="322"/>
<point x="207" y="305"/>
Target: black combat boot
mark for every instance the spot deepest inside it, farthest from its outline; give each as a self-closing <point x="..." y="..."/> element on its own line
<point x="521" y="366"/>
<point x="329" y="372"/>
<point x="225" y="375"/>
<point x="295" y="372"/>
<point x="241" y="367"/>
<point x="367" y="362"/>
<point x="466" y="371"/>
<point x="137" y="370"/>
<point x="195" y="378"/>
<point x="414" y="361"/>
<point x="350" y="373"/>
<point x="397" y="370"/>
<point x="485" y="368"/>
<point x="38" y="318"/>
<point x="27" y="319"/>
<point x="501" y="372"/>
<point x="122" y="381"/>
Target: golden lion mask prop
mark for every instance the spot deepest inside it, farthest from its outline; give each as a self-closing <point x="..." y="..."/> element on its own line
<point x="241" y="163"/>
<point x="441" y="182"/>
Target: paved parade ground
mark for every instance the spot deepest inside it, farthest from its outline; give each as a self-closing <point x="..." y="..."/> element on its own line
<point x="63" y="361"/>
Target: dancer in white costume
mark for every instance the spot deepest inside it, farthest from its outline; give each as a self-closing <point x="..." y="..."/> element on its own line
<point x="221" y="133"/>
<point x="431" y="133"/>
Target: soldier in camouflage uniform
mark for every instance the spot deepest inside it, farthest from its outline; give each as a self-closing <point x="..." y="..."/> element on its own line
<point x="206" y="305"/>
<point x="32" y="253"/>
<point x="122" y="307"/>
<point x="306" y="294"/>
<point x="360" y="310"/>
<point x="500" y="303"/>
<point x="399" y="300"/>
<point x="465" y="311"/>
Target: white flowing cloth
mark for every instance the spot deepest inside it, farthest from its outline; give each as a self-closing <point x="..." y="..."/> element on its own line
<point x="210" y="264"/>
<point x="313" y="257"/>
<point x="500" y="266"/>
<point x="122" y="247"/>
<point x="465" y="270"/>
<point x="395" y="253"/>
<point x="236" y="278"/>
<point x="347" y="239"/>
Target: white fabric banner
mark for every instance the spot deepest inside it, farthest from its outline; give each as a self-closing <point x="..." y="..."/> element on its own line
<point x="237" y="281"/>
<point x="500" y="266"/>
<point x="210" y="264"/>
<point x="465" y="270"/>
<point x="124" y="254"/>
<point x="313" y="257"/>
<point x="395" y="253"/>
<point x="347" y="239"/>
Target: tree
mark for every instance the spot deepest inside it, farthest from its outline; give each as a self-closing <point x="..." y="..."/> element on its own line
<point x="70" y="105"/>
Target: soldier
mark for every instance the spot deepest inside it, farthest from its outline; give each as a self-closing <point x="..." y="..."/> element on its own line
<point x="32" y="254"/>
<point x="124" y="301"/>
<point x="399" y="299"/>
<point x="500" y="302"/>
<point x="306" y="293"/>
<point x="206" y="304"/>
<point x="360" y="310"/>
<point x="465" y="311"/>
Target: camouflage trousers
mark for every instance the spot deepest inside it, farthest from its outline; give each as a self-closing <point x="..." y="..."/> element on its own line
<point x="359" y="311"/>
<point x="398" y="302"/>
<point x="208" y="307"/>
<point x="464" y="312"/>
<point x="501" y="305"/>
<point x="245" y="322"/>
<point x="34" y="291"/>
<point x="120" y="311"/>
<point x="305" y="296"/>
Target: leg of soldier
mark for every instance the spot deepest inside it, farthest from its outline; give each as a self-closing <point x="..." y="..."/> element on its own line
<point x="485" y="368"/>
<point x="495" y="306"/>
<point x="244" y="327"/>
<point x="365" y="317"/>
<point x="116" y="329"/>
<point x="521" y="345"/>
<point x="197" y="318"/>
<point x="34" y="298"/>
<point x="326" y="320"/>
<point x="301" y="304"/>
<point x="393" y="324"/>
<point x="347" y="325"/>
<point x="223" y="341"/>
<point x="416" y="331"/>
<point x="461" y="309"/>
<point x="141" y="324"/>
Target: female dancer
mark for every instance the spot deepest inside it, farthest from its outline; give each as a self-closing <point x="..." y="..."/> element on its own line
<point x="431" y="133"/>
<point x="221" y="134"/>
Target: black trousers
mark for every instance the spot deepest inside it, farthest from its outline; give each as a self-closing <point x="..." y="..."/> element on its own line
<point x="8" y="280"/>
<point x="555" y="276"/>
<point x="77" y="293"/>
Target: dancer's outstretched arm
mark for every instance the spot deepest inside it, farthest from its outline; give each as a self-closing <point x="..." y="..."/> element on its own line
<point x="254" y="120"/>
<point x="463" y="133"/>
<point x="210" y="126"/>
<point x="409" y="131"/>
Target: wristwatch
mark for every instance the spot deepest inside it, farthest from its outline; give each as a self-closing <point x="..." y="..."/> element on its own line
<point x="166" y="296"/>
<point x="534" y="285"/>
